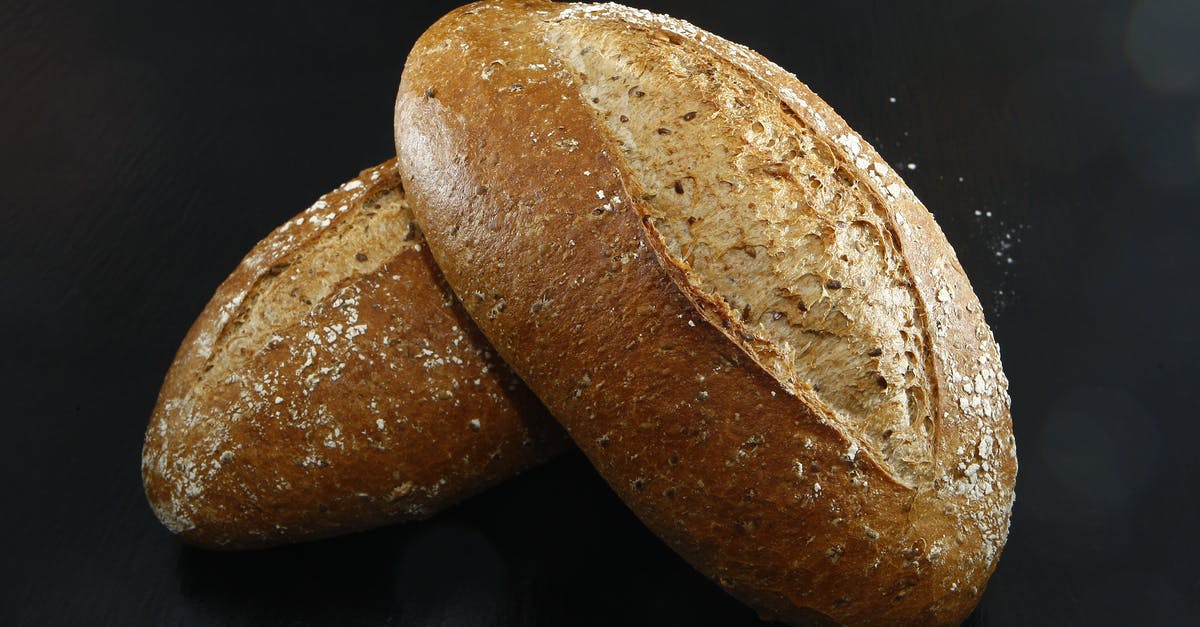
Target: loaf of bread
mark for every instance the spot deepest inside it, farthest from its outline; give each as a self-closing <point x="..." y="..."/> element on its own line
<point x="737" y="309"/>
<point x="332" y="384"/>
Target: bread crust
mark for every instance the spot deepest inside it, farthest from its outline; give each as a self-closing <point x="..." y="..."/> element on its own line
<point x="539" y="225"/>
<point x="333" y="384"/>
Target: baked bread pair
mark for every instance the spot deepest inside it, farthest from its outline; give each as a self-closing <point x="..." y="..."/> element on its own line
<point x="734" y="306"/>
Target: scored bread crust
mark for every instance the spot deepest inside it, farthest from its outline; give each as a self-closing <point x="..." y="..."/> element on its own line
<point x="333" y="384"/>
<point x="536" y="216"/>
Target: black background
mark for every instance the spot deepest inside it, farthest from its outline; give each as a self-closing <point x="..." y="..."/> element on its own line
<point x="147" y="146"/>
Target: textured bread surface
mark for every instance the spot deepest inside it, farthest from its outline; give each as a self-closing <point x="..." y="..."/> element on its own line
<point x="333" y="383"/>
<point x="801" y="259"/>
<point x="740" y="313"/>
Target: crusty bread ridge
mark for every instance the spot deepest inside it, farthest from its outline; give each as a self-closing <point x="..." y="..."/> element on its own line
<point x="740" y="313"/>
<point x="333" y="384"/>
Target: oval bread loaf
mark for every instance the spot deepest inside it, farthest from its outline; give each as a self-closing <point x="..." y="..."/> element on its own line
<point x="740" y="313"/>
<point x="333" y="384"/>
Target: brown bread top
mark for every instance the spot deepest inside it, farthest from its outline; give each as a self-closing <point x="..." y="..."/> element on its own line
<point x="332" y="384"/>
<point x="740" y="313"/>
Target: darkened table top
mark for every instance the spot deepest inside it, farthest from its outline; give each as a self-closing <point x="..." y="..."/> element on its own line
<point x="146" y="146"/>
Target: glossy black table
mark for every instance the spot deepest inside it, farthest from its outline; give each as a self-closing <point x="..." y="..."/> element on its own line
<point x="145" y="146"/>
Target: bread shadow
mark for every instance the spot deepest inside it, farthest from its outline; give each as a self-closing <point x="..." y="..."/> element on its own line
<point x="552" y="547"/>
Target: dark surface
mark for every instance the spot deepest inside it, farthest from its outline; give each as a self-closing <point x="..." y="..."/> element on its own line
<point x="145" y="147"/>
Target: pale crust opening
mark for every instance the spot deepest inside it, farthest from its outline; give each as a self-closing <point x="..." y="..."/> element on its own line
<point x="764" y="219"/>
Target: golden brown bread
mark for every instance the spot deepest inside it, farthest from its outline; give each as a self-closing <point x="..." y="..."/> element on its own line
<point x="332" y="384"/>
<point x="740" y="313"/>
